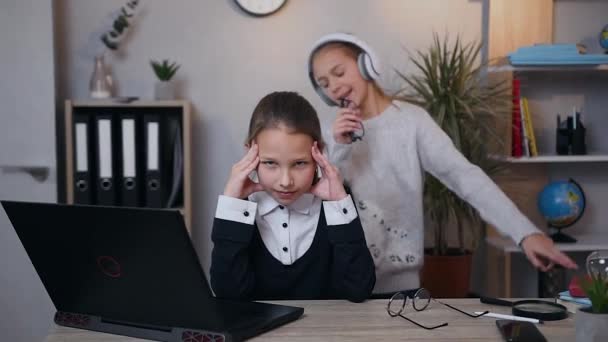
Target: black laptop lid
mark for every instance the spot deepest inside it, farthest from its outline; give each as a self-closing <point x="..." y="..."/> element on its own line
<point x="114" y="262"/>
<point x="128" y="264"/>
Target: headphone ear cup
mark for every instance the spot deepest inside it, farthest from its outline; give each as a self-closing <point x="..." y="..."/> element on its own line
<point x="363" y="69"/>
<point x="366" y="66"/>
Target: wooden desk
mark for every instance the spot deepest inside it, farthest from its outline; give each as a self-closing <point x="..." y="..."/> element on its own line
<point x="344" y="321"/>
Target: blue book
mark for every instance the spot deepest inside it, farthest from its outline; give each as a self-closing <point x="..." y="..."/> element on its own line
<point x="565" y="295"/>
<point x="554" y="54"/>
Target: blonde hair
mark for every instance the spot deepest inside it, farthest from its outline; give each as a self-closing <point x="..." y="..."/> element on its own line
<point x="352" y="51"/>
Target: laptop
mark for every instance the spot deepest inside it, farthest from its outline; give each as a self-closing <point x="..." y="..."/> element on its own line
<point x="133" y="272"/>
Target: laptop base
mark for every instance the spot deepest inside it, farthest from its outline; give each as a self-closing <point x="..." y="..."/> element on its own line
<point x="138" y="330"/>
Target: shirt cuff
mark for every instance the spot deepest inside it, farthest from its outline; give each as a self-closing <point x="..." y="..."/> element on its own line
<point x="339" y="212"/>
<point x="236" y="210"/>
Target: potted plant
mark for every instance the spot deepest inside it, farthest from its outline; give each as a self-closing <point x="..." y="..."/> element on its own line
<point x="450" y="83"/>
<point x="591" y="323"/>
<point x="164" y="89"/>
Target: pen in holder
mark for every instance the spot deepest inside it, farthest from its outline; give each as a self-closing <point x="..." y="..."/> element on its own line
<point x="570" y="136"/>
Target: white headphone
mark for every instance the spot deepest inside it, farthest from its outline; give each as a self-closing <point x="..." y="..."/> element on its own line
<point x="367" y="61"/>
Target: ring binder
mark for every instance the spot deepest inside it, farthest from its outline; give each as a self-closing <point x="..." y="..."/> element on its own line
<point x="82" y="161"/>
<point x="129" y="187"/>
<point x="105" y="173"/>
<point x="153" y="173"/>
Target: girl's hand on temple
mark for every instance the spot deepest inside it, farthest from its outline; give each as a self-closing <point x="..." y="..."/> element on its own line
<point x="239" y="184"/>
<point x="543" y="254"/>
<point x="329" y="187"/>
<point x="347" y="121"/>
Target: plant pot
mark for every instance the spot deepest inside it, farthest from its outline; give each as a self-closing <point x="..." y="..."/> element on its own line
<point x="447" y="276"/>
<point x="589" y="326"/>
<point x="164" y="90"/>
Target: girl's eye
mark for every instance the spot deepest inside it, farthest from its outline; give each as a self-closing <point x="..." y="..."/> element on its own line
<point x="268" y="163"/>
<point x="301" y="163"/>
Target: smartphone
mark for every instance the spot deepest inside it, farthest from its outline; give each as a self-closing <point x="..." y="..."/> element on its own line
<point x="519" y="331"/>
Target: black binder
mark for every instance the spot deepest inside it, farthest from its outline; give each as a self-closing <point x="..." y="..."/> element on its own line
<point x="83" y="188"/>
<point x="128" y="163"/>
<point x="106" y="193"/>
<point x="153" y="173"/>
<point x="173" y="165"/>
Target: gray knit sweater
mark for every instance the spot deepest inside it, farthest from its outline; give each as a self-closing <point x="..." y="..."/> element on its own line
<point x="386" y="171"/>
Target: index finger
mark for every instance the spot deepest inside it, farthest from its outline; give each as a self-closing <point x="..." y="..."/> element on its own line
<point x="251" y="154"/>
<point x="318" y="156"/>
<point x="562" y="259"/>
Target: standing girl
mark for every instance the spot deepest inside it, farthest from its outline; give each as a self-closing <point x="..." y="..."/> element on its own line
<point x="385" y="169"/>
<point x="295" y="234"/>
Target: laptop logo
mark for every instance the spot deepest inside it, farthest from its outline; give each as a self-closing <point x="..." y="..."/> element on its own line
<point x="109" y="266"/>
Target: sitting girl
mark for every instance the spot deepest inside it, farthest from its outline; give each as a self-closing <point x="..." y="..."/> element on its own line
<point x="294" y="234"/>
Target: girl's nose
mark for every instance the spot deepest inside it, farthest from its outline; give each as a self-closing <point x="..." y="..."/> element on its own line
<point x="286" y="180"/>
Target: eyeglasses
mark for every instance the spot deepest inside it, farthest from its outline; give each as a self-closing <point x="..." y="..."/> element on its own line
<point x="420" y="301"/>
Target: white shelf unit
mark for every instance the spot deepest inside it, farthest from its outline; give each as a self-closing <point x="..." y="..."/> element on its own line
<point x="588" y="158"/>
<point x="584" y="243"/>
<point x="548" y="87"/>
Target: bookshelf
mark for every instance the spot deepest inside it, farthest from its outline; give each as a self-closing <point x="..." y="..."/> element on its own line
<point x="555" y="76"/>
<point x="553" y="89"/>
<point x="175" y="191"/>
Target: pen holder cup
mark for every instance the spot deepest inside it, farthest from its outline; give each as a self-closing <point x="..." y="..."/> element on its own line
<point x="578" y="140"/>
<point x="570" y="141"/>
<point x="562" y="141"/>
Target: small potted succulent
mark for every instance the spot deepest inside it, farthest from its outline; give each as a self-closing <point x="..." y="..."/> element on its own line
<point x="164" y="89"/>
<point x="591" y="323"/>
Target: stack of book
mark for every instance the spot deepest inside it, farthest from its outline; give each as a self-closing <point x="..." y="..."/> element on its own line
<point x="523" y="139"/>
<point x="572" y="303"/>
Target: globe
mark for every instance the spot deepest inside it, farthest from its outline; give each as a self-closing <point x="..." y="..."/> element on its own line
<point x="604" y="38"/>
<point x="561" y="203"/>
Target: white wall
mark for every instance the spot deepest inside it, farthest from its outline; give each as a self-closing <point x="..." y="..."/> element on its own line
<point x="27" y="130"/>
<point x="230" y="60"/>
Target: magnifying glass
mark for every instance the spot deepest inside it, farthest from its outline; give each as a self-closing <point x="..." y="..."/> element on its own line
<point x="532" y="308"/>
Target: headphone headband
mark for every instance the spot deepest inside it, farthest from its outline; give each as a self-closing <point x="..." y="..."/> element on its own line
<point x="368" y="62"/>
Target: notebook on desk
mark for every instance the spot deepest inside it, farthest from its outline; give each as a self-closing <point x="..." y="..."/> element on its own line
<point x="133" y="272"/>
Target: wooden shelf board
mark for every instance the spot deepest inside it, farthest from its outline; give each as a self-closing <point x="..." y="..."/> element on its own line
<point x="138" y="103"/>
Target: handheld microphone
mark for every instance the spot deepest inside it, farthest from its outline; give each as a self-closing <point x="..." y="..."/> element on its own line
<point x="354" y="136"/>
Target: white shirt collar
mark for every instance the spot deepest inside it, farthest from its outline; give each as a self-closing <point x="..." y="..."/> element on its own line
<point x="267" y="204"/>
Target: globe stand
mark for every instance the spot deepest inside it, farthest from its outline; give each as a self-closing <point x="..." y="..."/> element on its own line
<point x="560" y="237"/>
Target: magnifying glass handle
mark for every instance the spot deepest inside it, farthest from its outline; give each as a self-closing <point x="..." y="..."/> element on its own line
<point x="495" y="301"/>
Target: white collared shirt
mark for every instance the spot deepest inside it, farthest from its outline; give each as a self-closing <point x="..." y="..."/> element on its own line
<point x="287" y="231"/>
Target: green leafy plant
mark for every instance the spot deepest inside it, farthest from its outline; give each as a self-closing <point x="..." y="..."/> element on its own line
<point x="164" y="70"/>
<point x="120" y="26"/>
<point x="596" y="288"/>
<point x="449" y="83"/>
